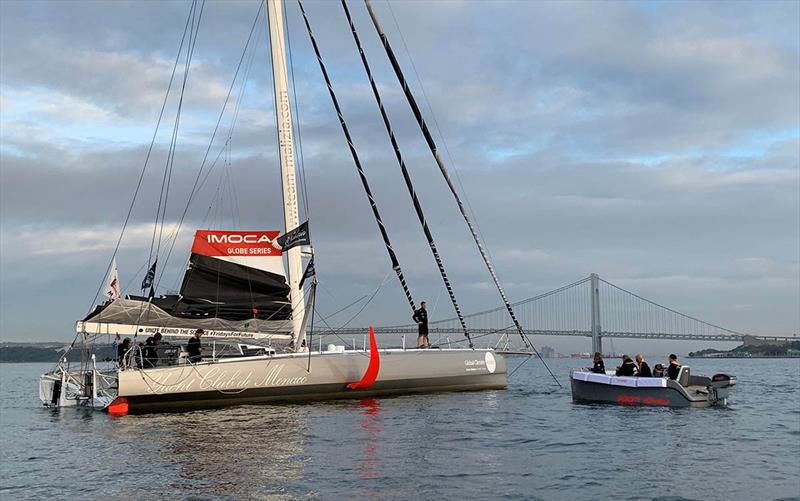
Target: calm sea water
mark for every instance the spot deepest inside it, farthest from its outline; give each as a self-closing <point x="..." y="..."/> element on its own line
<point x="526" y="442"/>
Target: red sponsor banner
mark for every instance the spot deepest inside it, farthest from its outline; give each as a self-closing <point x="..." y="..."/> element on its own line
<point x="235" y="243"/>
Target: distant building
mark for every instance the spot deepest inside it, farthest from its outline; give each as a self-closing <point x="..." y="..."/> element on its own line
<point x="547" y="352"/>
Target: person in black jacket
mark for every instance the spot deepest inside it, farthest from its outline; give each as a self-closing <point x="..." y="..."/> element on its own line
<point x="122" y="350"/>
<point x="628" y="368"/>
<point x="674" y="367"/>
<point x="194" y="348"/>
<point x="644" y="369"/>
<point x="421" y="318"/>
<point x="150" y="353"/>
<point x="599" y="367"/>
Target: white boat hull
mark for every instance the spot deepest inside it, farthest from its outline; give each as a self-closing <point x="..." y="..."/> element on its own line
<point x="287" y="377"/>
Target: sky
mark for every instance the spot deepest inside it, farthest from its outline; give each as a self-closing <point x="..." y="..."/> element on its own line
<point x="656" y="144"/>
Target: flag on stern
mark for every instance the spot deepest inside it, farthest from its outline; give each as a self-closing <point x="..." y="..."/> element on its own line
<point x="293" y="238"/>
<point x="151" y="275"/>
<point x="310" y="272"/>
<point x="112" y="290"/>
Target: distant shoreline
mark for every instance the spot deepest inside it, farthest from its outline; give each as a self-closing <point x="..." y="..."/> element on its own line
<point x="745" y="356"/>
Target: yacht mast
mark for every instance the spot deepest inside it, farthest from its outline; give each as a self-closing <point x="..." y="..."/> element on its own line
<point x="283" y="114"/>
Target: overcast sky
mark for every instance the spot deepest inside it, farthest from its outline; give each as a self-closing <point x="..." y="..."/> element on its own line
<point x="656" y="144"/>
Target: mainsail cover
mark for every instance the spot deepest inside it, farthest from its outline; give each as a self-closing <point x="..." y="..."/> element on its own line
<point x="235" y="283"/>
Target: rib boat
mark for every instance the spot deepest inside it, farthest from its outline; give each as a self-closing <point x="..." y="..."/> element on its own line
<point x="252" y="293"/>
<point x="687" y="390"/>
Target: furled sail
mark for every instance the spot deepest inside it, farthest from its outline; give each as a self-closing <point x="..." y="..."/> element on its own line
<point x="235" y="286"/>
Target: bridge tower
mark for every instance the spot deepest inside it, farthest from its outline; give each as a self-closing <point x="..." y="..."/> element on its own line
<point x="597" y="344"/>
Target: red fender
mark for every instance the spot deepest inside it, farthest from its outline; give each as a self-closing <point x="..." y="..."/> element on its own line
<point x="374" y="365"/>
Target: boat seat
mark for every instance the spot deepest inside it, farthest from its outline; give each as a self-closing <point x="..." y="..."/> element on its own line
<point x="683" y="376"/>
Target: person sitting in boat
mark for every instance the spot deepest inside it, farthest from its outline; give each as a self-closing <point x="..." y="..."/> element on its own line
<point x="194" y="347"/>
<point x="674" y="367"/>
<point x="599" y="367"/>
<point x="641" y="365"/>
<point x="122" y="350"/>
<point x="421" y="318"/>
<point x="628" y="368"/>
<point x="150" y="353"/>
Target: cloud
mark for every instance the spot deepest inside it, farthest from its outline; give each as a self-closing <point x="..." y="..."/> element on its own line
<point x="655" y="144"/>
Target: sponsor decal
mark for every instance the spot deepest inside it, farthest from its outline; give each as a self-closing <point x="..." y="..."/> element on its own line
<point x="216" y="377"/>
<point x="629" y="399"/>
<point x="655" y="401"/>
<point x="181" y="331"/>
<point x="235" y="243"/>
<point x="491" y="363"/>
<point x="475" y="365"/>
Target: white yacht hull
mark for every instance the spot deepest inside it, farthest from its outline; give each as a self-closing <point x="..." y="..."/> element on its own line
<point x="287" y="377"/>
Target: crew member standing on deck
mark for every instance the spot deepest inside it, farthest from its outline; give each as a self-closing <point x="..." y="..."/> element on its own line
<point x="194" y="347"/>
<point x="421" y="318"/>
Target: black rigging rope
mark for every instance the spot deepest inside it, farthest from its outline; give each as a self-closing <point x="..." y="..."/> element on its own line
<point x="406" y="176"/>
<point x="432" y="146"/>
<point x="362" y="175"/>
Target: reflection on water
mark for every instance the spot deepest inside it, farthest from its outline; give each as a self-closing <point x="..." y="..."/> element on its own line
<point x="368" y="463"/>
<point x="243" y="452"/>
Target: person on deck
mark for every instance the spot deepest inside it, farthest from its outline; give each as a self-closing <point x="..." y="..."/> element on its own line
<point x="599" y="367"/>
<point x="421" y="318"/>
<point x="644" y="369"/>
<point x="122" y="351"/>
<point x="628" y="368"/>
<point x="194" y="347"/>
<point x="674" y="367"/>
<point x="150" y="353"/>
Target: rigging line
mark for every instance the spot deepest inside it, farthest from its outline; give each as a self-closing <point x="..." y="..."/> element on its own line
<point x="346" y="307"/>
<point x="671" y="310"/>
<point x="333" y="332"/>
<point x="170" y="151"/>
<point x="195" y="187"/>
<point x="362" y="175"/>
<point x="520" y="365"/>
<point x="432" y="146"/>
<point x="171" y="157"/>
<point x="144" y="168"/>
<point x="406" y="176"/>
<point x="436" y="123"/>
<point x="371" y="297"/>
<point x="192" y="15"/>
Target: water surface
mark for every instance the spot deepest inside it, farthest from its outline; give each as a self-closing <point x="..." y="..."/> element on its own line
<point x="527" y="442"/>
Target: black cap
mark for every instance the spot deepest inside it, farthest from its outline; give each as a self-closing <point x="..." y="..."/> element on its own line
<point x="673" y="356"/>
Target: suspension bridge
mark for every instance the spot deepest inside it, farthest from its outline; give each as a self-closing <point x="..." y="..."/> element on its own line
<point x="591" y="307"/>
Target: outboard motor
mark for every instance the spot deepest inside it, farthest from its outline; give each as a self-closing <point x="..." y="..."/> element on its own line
<point x="720" y="388"/>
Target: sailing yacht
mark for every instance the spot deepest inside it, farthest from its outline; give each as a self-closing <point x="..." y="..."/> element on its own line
<point x="246" y="291"/>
